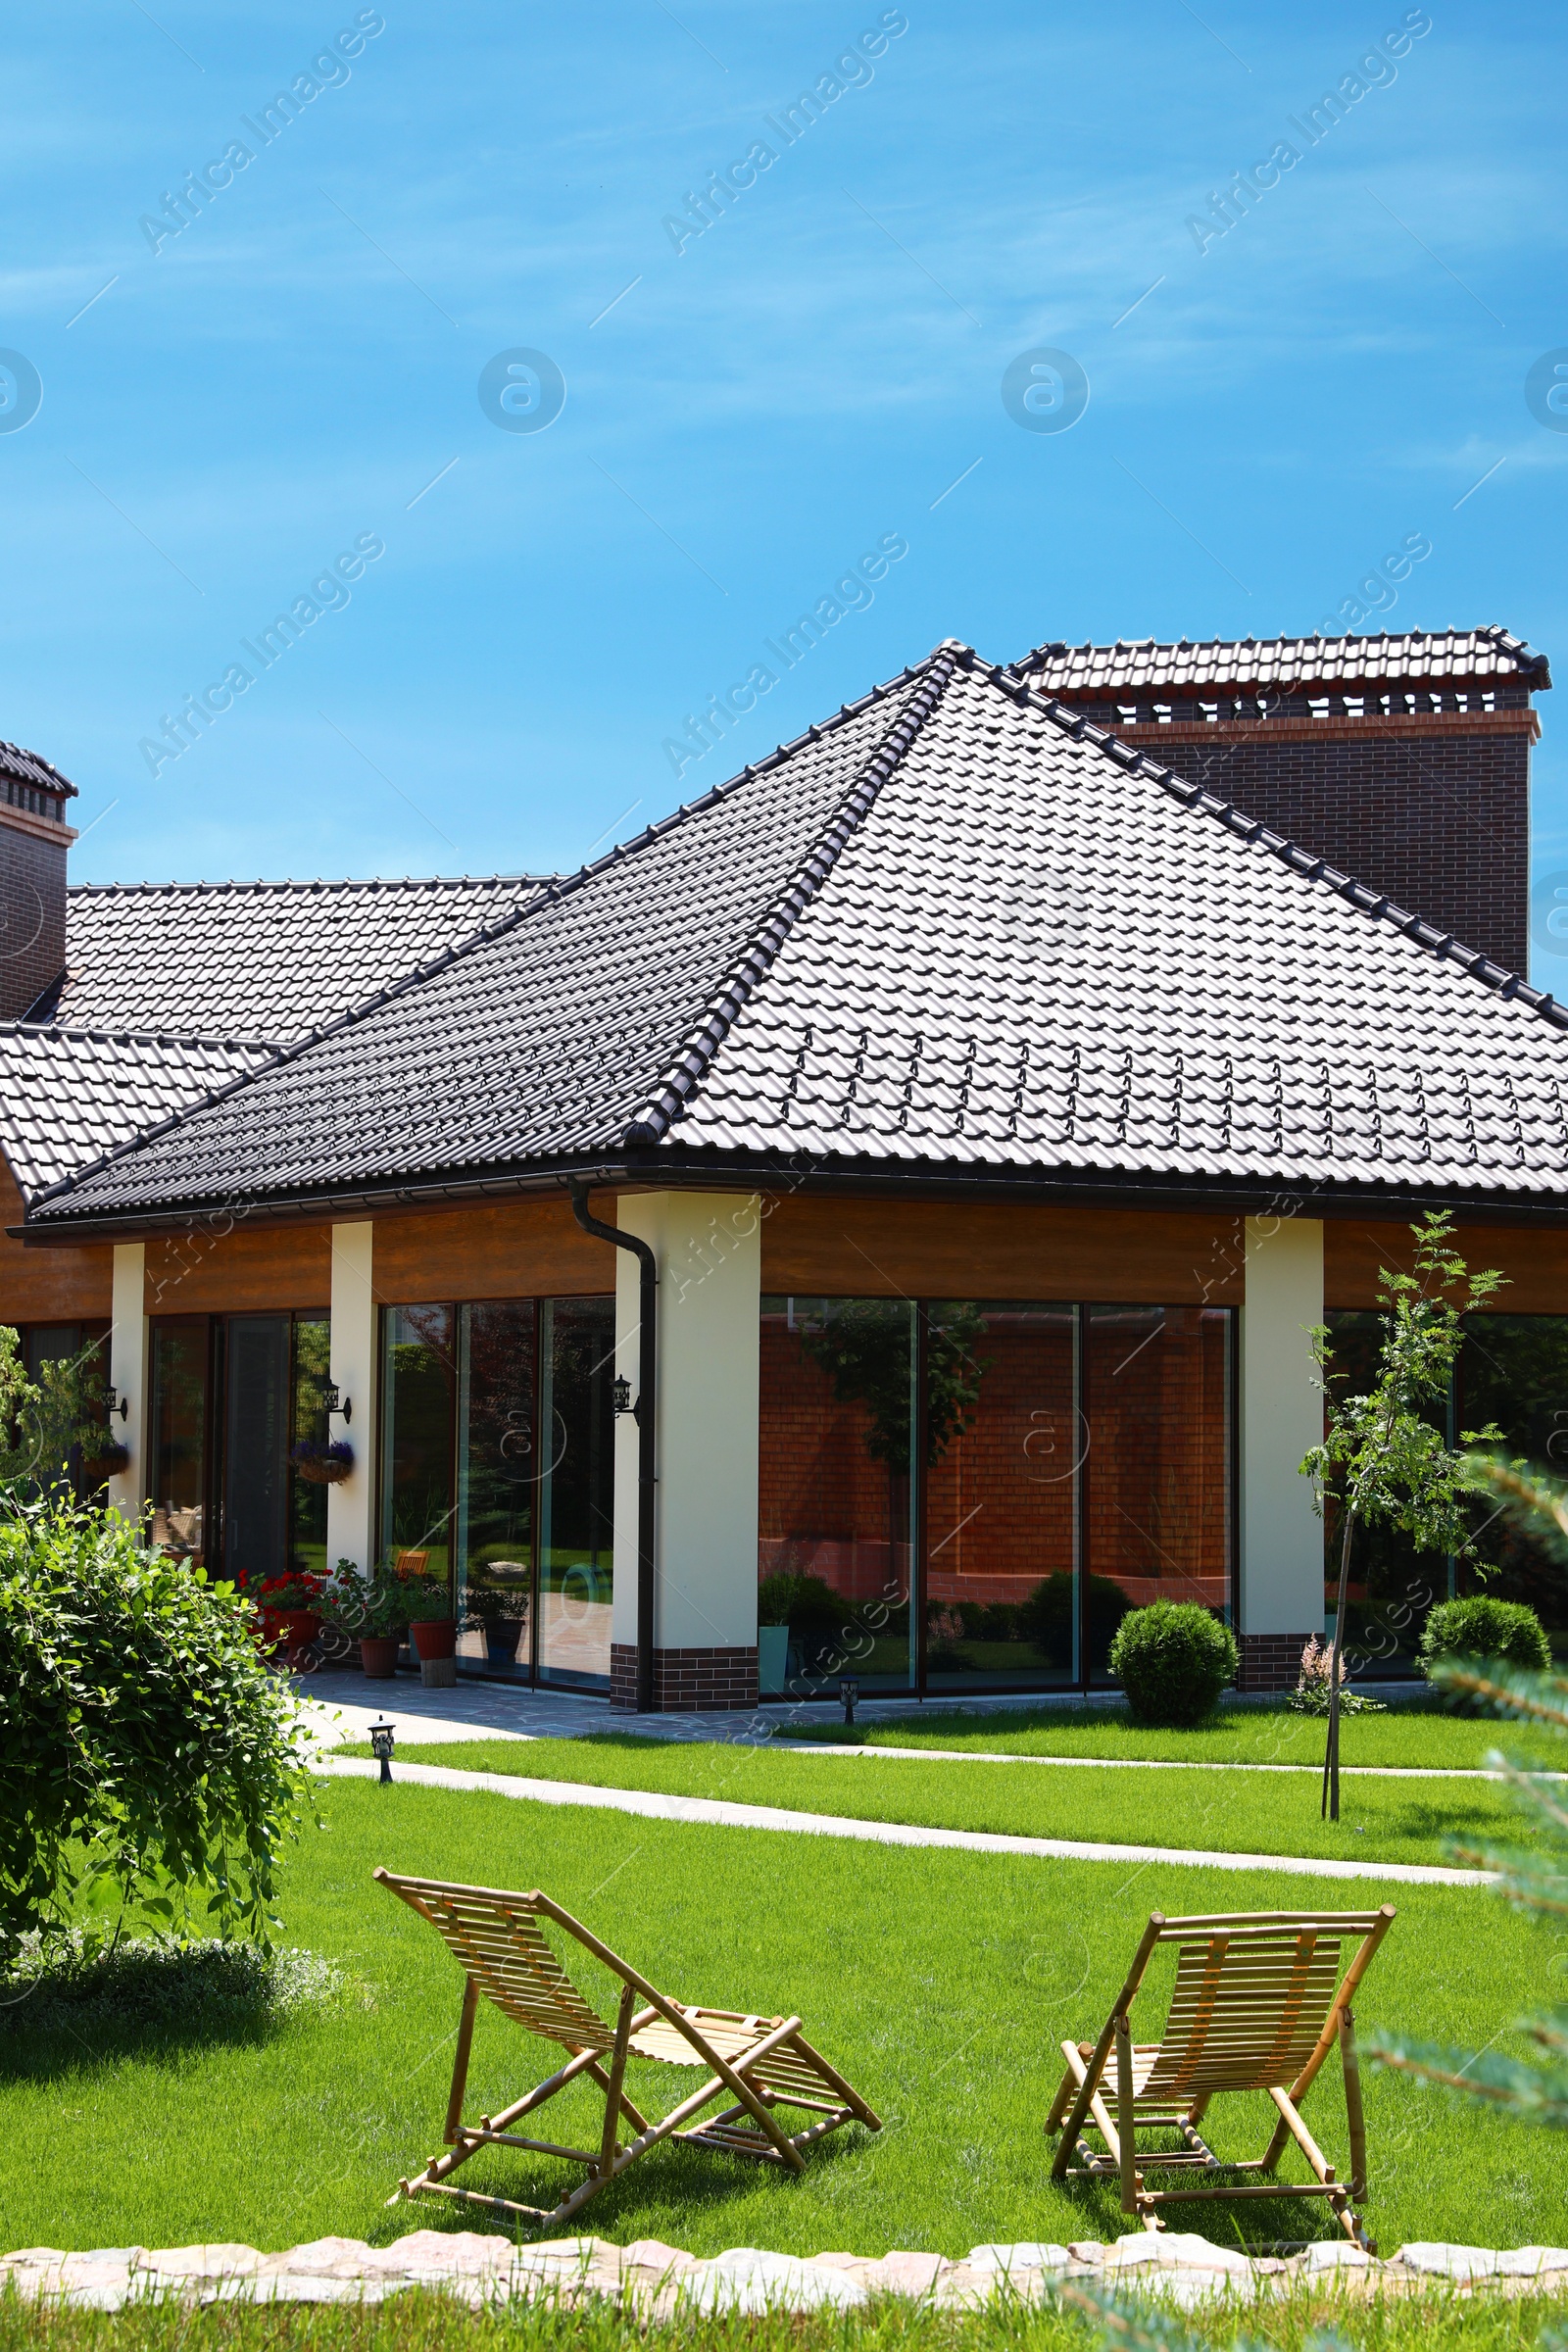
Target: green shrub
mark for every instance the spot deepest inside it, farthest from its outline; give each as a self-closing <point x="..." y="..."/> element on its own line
<point x="1045" y="1618"/>
<point x="806" y="1605"/>
<point x="1480" y="1627"/>
<point x="147" y="1756"/>
<point x="1173" y="1659"/>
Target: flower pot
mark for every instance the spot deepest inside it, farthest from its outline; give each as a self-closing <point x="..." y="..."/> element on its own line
<point x="297" y="1626"/>
<point x="107" y="1463"/>
<point x="772" y="1658"/>
<point x="323" y="1470"/>
<point x="501" y="1638"/>
<point x="379" y="1655"/>
<point x="434" y="1637"/>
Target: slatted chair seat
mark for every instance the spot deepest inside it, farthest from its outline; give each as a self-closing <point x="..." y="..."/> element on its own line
<point x="760" y="2062"/>
<point x="1257" y="2004"/>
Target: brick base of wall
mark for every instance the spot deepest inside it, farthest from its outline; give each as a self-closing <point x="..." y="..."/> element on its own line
<point x="1270" y="1661"/>
<point x="686" y="1682"/>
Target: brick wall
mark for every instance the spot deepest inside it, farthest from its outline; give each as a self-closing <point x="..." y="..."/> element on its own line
<point x="1440" y="821"/>
<point x="33" y="915"/>
<point x="1270" y="1661"/>
<point x="685" y="1681"/>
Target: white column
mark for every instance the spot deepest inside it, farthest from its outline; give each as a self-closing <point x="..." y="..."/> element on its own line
<point x="351" y="1506"/>
<point x="1280" y="1416"/>
<point x="127" y="1374"/>
<point x="709" y="1255"/>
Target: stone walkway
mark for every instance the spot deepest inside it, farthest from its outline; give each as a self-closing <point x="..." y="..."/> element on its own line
<point x="662" y="2282"/>
<point x="654" y="1805"/>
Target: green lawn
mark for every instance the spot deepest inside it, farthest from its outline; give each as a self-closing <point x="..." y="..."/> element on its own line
<point x="1415" y="1733"/>
<point x="1213" y="1812"/>
<point x="940" y="1981"/>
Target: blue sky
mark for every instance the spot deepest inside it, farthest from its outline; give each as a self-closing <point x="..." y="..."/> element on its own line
<point x="296" y="370"/>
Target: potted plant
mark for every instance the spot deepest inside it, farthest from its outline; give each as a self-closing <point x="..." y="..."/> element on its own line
<point x="501" y="1614"/>
<point x="370" y="1610"/>
<point x="323" y="1462"/>
<point x="288" y="1608"/>
<point x="432" y="1624"/>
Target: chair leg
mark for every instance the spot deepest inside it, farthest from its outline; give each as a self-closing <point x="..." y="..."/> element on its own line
<point x="459" y="2064"/>
<point x="618" y="2071"/>
<point x="1126" y="2106"/>
<point x="1353" y="2113"/>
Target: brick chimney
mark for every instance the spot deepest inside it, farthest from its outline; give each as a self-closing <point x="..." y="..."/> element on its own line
<point x="1403" y="760"/>
<point x="34" y="839"/>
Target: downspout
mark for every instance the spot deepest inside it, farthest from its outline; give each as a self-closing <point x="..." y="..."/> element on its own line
<point x="643" y="1413"/>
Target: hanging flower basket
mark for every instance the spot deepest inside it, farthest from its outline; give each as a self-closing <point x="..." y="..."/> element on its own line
<point x="107" y="1462"/>
<point x="322" y="1465"/>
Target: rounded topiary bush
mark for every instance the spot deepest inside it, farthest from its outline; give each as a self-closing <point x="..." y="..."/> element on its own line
<point x="1173" y="1659"/>
<point x="1481" y="1627"/>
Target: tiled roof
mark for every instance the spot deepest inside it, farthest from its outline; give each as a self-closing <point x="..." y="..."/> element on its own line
<point x="956" y="927"/>
<point x="255" y="960"/>
<point x="28" y="768"/>
<point x="68" y="1096"/>
<point x="1081" y="672"/>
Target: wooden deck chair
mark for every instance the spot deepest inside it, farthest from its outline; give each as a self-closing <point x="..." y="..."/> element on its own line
<point x="1257" y="2005"/>
<point x="757" y="2062"/>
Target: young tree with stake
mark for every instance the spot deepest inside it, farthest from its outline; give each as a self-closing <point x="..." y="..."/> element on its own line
<point x="1384" y="1462"/>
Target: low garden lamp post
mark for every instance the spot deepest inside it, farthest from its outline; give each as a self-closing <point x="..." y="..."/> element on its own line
<point x="848" y="1692"/>
<point x="382" y="1734"/>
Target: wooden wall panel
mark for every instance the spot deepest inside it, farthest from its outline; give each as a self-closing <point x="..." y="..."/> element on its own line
<point x="244" y="1270"/>
<point x="999" y="1249"/>
<point x="48" y="1286"/>
<point x="1535" y="1259"/>
<point x="522" y="1248"/>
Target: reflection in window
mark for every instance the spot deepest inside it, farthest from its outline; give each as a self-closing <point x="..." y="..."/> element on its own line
<point x="577" y="1425"/>
<point x="307" y="1505"/>
<point x="418" y="1394"/>
<point x="1391" y="1585"/>
<point x="1003" y="1449"/>
<point x="179" y="1351"/>
<point x="497" y="1479"/>
<point x="838" y="1405"/>
<point x="1514" y="1371"/>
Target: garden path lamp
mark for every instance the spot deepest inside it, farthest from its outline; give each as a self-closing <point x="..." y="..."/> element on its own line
<point x="382" y="1734"/>
<point x="849" y="1692"/>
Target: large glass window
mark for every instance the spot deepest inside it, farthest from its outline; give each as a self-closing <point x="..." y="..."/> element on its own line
<point x="419" y="1383"/>
<point x="497" y="1462"/>
<point x="85" y="1347"/>
<point x="497" y="1479"/>
<point x="1514" y="1372"/>
<point x="1023" y="1474"/>
<point x="180" y="1355"/>
<point x="578" y="1426"/>
<point x="1003" y="1449"/>
<point x="1391" y="1585"/>
<point x="310" y="1426"/>
<point x="1157" y="1410"/>
<point x="834" y="1547"/>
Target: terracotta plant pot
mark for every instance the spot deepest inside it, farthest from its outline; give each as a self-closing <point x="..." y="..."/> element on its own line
<point x="379" y="1655"/>
<point x="297" y="1626"/>
<point x="434" y="1637"/>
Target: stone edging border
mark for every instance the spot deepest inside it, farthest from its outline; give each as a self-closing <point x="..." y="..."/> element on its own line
<point x="662" y="2282"/>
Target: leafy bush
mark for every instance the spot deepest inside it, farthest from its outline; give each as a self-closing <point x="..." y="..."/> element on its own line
<point x="146" y="1753"/>
<point x="1481" y="1627"/>
<point x="806" y="1605"/>
<point x="358" y="1605"/>
<point x="1045" y="1618"/>
<point x="1173" y="1659"/>
<point x="424" y="1599"/>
